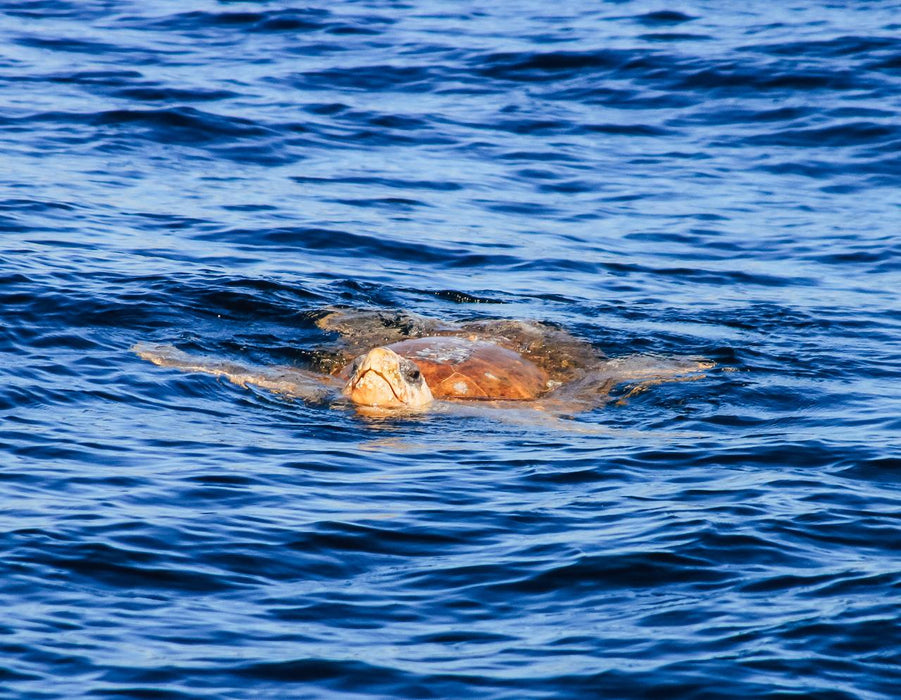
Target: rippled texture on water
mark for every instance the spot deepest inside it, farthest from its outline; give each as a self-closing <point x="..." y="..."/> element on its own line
<point x="658" y="178"/>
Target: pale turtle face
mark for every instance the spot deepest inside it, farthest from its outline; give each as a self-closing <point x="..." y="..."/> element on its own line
<point x="384" y="379"/>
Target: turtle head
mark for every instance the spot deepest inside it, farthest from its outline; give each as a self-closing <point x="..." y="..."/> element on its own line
<point x="384" y="379"/>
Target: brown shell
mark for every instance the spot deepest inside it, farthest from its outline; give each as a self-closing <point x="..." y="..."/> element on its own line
<point x="457" y="368"/>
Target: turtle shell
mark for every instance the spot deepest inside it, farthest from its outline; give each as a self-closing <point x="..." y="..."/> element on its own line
<point x="457" y="368"/>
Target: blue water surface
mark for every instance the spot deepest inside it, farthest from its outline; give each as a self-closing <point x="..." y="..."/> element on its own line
<point x="673" y="178"/>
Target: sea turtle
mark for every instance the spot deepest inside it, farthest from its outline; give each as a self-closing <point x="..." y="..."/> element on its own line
<point x="388" y="361"/>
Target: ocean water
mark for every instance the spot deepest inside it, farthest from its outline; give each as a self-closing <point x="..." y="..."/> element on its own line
<point x="701" y="178"/>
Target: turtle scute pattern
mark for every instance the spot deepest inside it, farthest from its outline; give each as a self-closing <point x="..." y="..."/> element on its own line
<point x="563" y="356"/>
<point x="458" y="368"/>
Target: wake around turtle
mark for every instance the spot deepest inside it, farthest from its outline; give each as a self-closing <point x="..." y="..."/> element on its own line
<point x="386" y="362"/>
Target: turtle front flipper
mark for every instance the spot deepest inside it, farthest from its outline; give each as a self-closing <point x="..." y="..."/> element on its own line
<point x="296" y="383"/>
<point x="641" y="371"/>
<point x="648" y="370"/>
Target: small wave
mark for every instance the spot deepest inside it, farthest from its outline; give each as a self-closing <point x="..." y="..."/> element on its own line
<point x="553" y="65"/>
<point x="371" y="78"/>
<point x="388" y="183"/>
<point x="68" y="45"/>
<point x="663" y="17"/>
<point x="170" y="94"/>
<point x="849" y="134"/>
<point x="182" y="124"/>
<point x="838" y="47"/>
<point x="288" y="20"/>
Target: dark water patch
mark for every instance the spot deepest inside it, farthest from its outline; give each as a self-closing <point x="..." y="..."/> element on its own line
<point x="391" y="121"/>
<point x="411" y="542"/>
<point x="701" y="276"/>
<point x="134" y="691"/>
<point x="809" y="454"/>
<point x="117" y="566"/>
<point x="627" y="570"/>
<point x="870" y="636"/>
<point x="875" y="256"/>
<point x="290" y="21"/>
<point x="250" y="207"/>
<point x="113" y="78"/>
<point x="145" y="304"/>
<point x="554" y="65"/>
<point x="870" y="531"/>
<point x="352" y="292"/>
<point x="747" y="551"/>
<point x="573" y="475"/>
<point x="282" y="20"/>
<point x="554" y="265"/>
<point x="620" y="99"/>
<point x="695" y="237"/>
<point x="540" y="127"/>
<point x="858" y="582"/>
<point x="71" y="45"/>
<point x="24" y="204"/>
<point x="273" y="562"/>
<point x="734" y="115"/>
<point x="674" y="37"/>
<point x="736" y="80"/>
<point x="663" y="17"/>
<point x="246" y="299"/>
<point x="234" y="480"/>
<point x="891" y="65"/>
<point x="789" y="582"/>
<point x="337" y="676"/>
<point x="182" y="125"/>
<point x="172" y="222"/>
<point x="380" y="78"/>
<point x="838" y="47"/>
<point x="345" y="138"/>
<point x="176" y="125"/>
<point x="40" y="9"/>
<point x="888" y="468"/>
<point x="536" y="174"/>
<point x="840" y="135"/>
<point x="393" y="203"/>
<point x="522" y="208"/>
<point x="552" y="156"/>
<point x="569" y="187"/>
<point x="862" y="174"/>
<point x="328" y="108"/>
<point x="11" y="675"/>
<point x="325" y="240"/>
<point x="626" y="129"/>
<point x="171" y="94"/>
<point x="12" y="225"/>
<point x="67" y="340"/>
<point x="382" y="182"/>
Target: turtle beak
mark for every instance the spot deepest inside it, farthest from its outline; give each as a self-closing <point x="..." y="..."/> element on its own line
<point x="379" y="380"/>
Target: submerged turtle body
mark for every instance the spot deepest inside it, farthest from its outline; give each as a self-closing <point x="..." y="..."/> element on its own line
<point x="457" y="368"/>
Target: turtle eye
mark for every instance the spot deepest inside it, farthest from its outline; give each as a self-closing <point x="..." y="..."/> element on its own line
<point x="413" y="374"/>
